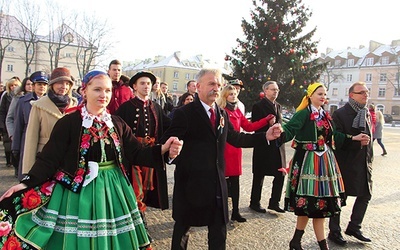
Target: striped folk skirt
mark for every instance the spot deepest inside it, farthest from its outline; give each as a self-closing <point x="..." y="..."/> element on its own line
<point x="104" y="215"/>
<point x="315" y="185"/>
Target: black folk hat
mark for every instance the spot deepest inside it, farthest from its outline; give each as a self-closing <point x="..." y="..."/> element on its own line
<point x="142" y="74"/>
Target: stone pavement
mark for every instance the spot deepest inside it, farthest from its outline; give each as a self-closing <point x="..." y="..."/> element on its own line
<point x="274" y="231"/>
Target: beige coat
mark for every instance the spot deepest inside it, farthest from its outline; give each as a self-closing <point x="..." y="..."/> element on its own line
<point x="44" y="114"/>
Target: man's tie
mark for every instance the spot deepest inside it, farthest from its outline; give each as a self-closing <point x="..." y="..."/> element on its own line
<point x="212" y="117"/>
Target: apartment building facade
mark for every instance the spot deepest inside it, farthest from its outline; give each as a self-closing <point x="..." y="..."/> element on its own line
<point x="378" y="65"/>
<point x="16" y="53"/>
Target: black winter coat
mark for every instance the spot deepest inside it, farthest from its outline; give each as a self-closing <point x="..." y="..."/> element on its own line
<point x="355" y="162"/>
<point x="200" y="167"/>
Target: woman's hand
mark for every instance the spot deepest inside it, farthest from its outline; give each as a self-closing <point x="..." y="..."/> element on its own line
<point x="271" y="119"/>
<point x="12" y="190"/>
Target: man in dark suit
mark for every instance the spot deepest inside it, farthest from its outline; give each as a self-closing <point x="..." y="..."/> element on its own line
<point x="200" y="192"/>
<point x="355" y="161"/>
<point x="267" y="158"/>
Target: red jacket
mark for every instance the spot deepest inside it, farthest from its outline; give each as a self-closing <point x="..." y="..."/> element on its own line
<point x="120" y="94"/>
<point x="233" y="155"/>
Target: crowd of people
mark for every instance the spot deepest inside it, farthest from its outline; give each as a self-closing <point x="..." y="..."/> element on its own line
<point x="95" y="160"/>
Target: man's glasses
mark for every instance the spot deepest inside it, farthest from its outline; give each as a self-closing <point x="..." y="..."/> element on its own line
<point x="361" y="93"/>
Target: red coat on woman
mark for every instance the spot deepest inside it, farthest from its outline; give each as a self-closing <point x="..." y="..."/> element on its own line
<point x="233" y="155"/>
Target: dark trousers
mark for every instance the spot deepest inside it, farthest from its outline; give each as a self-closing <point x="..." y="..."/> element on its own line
<point x="216" y="234"/>
<point x="357" y="215"/>
<point x="233" y="186"/>
<point x="276" y="194"/>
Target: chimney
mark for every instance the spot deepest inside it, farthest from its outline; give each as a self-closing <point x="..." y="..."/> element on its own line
<point x="177" y="55"/>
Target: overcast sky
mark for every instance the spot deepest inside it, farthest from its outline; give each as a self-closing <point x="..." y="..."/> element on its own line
<point x="148" y="28"/>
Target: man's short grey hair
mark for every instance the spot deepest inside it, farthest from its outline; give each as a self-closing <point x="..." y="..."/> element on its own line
<point x="265" y="85"/>
<point x="203" y="72"/>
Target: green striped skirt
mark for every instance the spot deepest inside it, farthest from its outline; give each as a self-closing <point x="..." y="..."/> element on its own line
<point x="315" y="185"/>
<point x="104" y="215"/>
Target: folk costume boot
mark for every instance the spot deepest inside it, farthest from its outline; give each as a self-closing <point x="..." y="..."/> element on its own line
<point x="323" y="244"/>
<point x="295" y="243"/>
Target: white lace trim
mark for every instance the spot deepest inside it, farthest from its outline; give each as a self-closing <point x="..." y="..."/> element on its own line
<point x="87" y="118"/>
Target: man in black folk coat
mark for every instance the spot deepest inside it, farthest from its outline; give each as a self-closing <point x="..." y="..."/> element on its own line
<point x="355" y="161"/>
<point x="267" y="158"/>
<point x="200" y="192"/>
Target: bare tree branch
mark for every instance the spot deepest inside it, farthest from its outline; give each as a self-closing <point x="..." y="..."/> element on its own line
<point x="94" y="45"/>
<point x="30" y="21"/>
<point x="5" y="30"/>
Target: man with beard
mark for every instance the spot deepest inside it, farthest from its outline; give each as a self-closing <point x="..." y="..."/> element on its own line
<point x="355" y="161"/>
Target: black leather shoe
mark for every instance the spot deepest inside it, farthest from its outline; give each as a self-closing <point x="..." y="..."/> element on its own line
<point x="358" y="234"/>
<point x="337" y="238"/>
<point x="238" y="217"/>
<point x="276" y="208"/>
<point x="258" y="208"/>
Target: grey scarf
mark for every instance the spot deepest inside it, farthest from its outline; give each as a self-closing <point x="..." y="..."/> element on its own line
<point x="359" y="121"/>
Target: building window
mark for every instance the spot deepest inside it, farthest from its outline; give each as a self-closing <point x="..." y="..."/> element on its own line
<point x="368" y="77"/>
<point x="69" y="55"/>
<point x="385" y="60"/>
<point x="396" y="92"/>
<point x="382" y="77"/>
<point x="334" y="91"/>
<point x="381" y="92"/>
<point x="346" y="93"/>
<point x="176" y="74"/>
<point x="10" y="68"/>
<point x="349" y="77"/>
<point x="30" y="51"/>
<point x="10" y="49"/>
<point x="175" y="86"/>
<point x="380" y="108"/>
<point x="187" y="76"/>
<point x="337" y="63"/>
<point x="350" y="62"/>
<point x="370" y="61"/>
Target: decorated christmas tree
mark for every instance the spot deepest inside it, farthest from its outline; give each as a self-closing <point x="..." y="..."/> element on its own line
<point x="276" y="47"/>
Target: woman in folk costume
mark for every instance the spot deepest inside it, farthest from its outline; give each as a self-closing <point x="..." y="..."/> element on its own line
<point x="77" y="195"/>
<point x="315" y="185"/>
<point x="233" y="156"/>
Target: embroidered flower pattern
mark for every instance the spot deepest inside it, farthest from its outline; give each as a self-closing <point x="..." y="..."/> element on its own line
<point x="31" y="199"/>
<point x="12" y="243"/>
<point x="74" y="182"/>
<point x="320" y="204"/>
<point x="5" y="228"/>
<point x="301" y="202"/>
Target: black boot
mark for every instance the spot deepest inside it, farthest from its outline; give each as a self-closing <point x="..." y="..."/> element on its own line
<point x="323" y="244"/>
<point x="238" y="217"/>
<point x="295" y="243"/>
<point x="384" y="152"/>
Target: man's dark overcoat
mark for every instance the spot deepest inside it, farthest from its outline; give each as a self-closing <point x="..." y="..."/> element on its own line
<point x="266" y="158"/>
<point x="200" y="167"/>
<point x="355" y="162"/>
